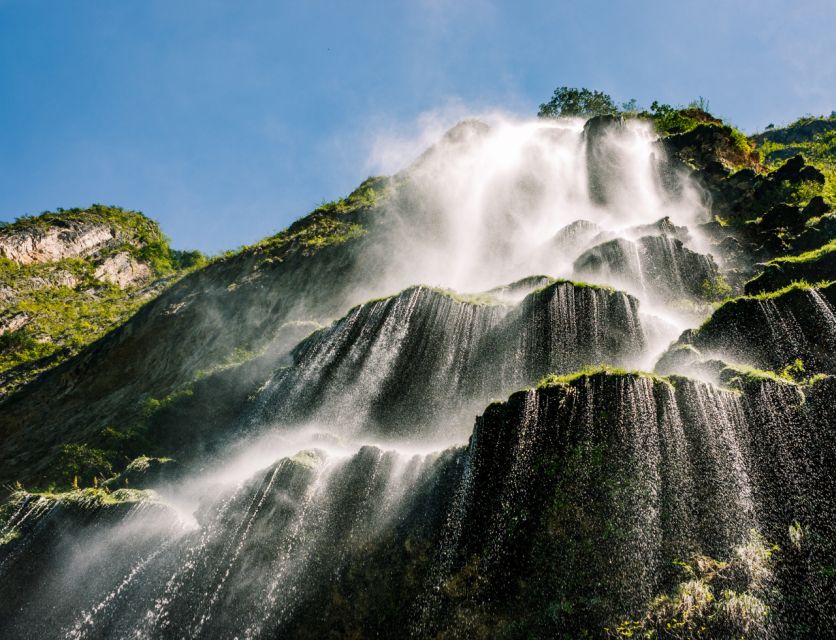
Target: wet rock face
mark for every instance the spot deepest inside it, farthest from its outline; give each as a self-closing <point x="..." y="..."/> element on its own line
<point x="772" y="332"/>
<point x="27" y="246"/>
<point x="582" y="492"/>
<point x="414" y="362"/>
<point x="781" y="273"/>
<point x="284" y="540"/>
<point x="601" y="166"/>
<point x="660" y="265"/>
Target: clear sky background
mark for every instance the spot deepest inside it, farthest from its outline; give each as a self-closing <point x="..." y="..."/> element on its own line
<point x="226" y="120"/>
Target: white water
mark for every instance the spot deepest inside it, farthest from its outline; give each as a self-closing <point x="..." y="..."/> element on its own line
<point x="482" y="209"/>
<point x="491" y="202"/>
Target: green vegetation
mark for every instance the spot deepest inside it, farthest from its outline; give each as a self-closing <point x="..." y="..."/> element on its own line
<point x="784" y="271"/>
<point x="800" y="285"/>
<point x="807" y="256"/>
<point x="10" y="536"/>
<point x="554" y="380"/>
<point x="331" y="223"/>
<point x="716" y="598"/>
<point x="568" y="101"/>
<point x="60" y="306"/>
<point x="137" y="234"/>
<point x="477" y="299"/>
<point x="813" y="137"/>
<point x="670" y="120"/>
<point x="556" y="282"/>
<point x="61" y="320"/>
<point x="79" y="463"/>
<point x="716" y="289"/>
<point x="740" y="376"/>
<point x="89" y="498"/>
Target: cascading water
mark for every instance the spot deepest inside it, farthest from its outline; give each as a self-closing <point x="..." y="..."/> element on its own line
<point x="490" y="205"/>
<point x="422" y="363"/>
<point x="347" y="502"/>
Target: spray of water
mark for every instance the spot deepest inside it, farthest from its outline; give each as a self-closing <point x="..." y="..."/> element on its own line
<point x="362" y="432"/>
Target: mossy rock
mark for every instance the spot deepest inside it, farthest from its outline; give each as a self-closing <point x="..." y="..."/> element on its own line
<point x="771" y="331"/>
<point x="813" y="266"/>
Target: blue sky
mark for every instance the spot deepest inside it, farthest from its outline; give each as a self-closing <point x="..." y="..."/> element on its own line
<point x="225" y="121"/>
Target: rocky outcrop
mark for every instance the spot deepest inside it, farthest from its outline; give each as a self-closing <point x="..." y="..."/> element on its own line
<point x="770" y="332"/>
<point x="38" y="243"/>
<point x="12" y="322"/>
<point x="659" y="265"/>
<point x="802" y="131"/>
<point x="710" y="143"/>
<point x="123" y="270"/>
<point x="414" y="363"/>
<point x="813" y="267"/>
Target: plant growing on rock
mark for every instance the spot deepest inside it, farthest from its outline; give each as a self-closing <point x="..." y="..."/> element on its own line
<point x="717" y="599"/>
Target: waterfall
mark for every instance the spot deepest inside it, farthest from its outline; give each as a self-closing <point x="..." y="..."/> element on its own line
<point x="654" y="267"/>
<point x="632" y="474"/>
<point x="514" y="199"/>
<point x="772" y="331"/>
<point x="422" y="363"/>
<point x="374" y="486"/>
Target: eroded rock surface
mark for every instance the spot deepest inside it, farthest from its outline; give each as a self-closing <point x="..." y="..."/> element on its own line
<point x="123" y="270"/>
<point x="37" y="244"/>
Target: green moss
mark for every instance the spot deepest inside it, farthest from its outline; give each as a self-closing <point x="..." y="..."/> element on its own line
<point x="742" y="376"/>
<point x="556" y="282"/>
<point x="809" y="256"/>
<point x="716" y="288"/>
<point x="143" y="463"/>
<point x="477" y="299"/>
<point x="91" y="498"/>
<point x="553" y="380"/>
<point x="715" y="598"/>
<point x="799" y="285"/>
<point x="310" y="459"/>
<point x="331" y="223"/>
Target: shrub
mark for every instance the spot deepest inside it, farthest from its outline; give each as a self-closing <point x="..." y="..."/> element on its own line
<point x="79" y="463"/>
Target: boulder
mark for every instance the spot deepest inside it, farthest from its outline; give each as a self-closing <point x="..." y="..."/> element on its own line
<point x="13" y="322"/>
<point x="783" y="216"/>
<point x="815" y="208"/>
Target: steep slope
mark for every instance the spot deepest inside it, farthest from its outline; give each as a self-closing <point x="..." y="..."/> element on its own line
<point x="68" y="277"/>
<point x="794" y="327"/>
<point x="328" y="478"/>
<point x="573" y="506"/>
<point x="214" y="316"/>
